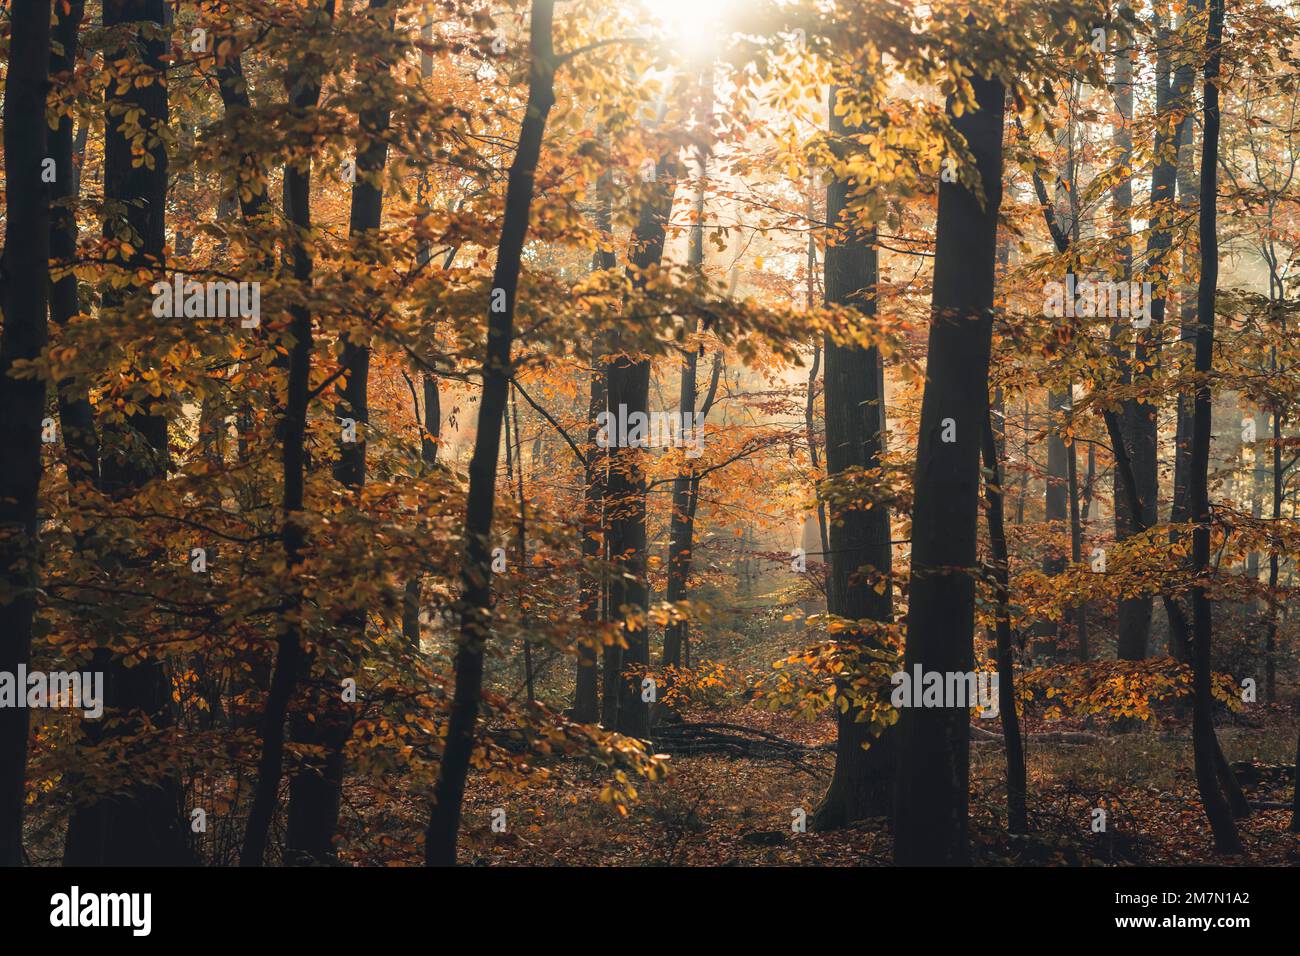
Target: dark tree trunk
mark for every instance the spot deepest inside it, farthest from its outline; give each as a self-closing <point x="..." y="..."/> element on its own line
<point x="681" y="530"/>
<point x="1080" y="611"/>
<point x="1139" y="419"/>
<point x="1055" y="506"/>
<point x="1189" y="198"/>
<point x="1295" y="795"/>
<point x="934" y="742"/>
<point x="76" y="417"/>
<point x="1270" y="633"/>
<point x="814" y="458"/>
<point x="585" y="702"/>
<point x="681" y="527"/>
<point x="1203" y="736"/>
<point x="627" y="382"/>
<point x="591" y="588"/>
<point x="254" y="200"/>
<point x="476" y="573"/>
<point x="316" y="789"/>
<point x="1179" y="628"/>
<point x="24" y="292"/>
<point x="143" y="826"/>
<point x="289" y="660"/>
<point x="810" y="401"/>
<point x="860" y="554"/>
<point x="994" y="496"/>
<point x="628" y="385"/>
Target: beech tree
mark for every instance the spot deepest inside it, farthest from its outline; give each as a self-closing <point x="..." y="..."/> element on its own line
<point x="934" y="743"/>
<point x="24" y="290"/>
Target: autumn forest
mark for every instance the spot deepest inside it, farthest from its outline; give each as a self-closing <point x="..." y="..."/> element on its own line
<point x="650" y="433"/>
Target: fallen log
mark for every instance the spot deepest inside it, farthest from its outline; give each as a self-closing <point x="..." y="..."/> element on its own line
<point x="732" y="740"/>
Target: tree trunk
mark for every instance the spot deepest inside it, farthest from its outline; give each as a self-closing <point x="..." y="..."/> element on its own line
<point x="24" y="292"/>
<point x="430" y="435"/>
<point x="1139" y="419"/>
<point x="1270" y="633"/>
<point x="144" y="825"/>
<point x="810" y="401"/>
<point x="76" y="417"/>
<point x="585" y="700"/>
<point x="1179" y="629"/>
<point x="289" y="661"/>
<point x="476" y="572"/>
<point x="1055" y="508"/>
<point x="316" y="789"/>
<point x="1080" y="611"/>
<point x="814" y="459"/>
<point x="860" y="553"/>
<point x="994" y="495"/>
<point x="627" y="381"/>
<point x="591" y="701"/>
<point x="591" y="588"/>
<point x="1189" y="198"/>
<point x="681" y="531"/>
<point x="934" y="743"/>
<point x="1203" y="736"/>
<point x="431" y="427"/>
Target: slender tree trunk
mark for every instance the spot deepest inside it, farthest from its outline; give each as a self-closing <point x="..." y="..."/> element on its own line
<point x="934" y="742"/>
<point x="1024" y="470"/>
<point x="431" y="427"/>
<point x="814" y="458"/>
<point x="430" y="435"/>
<point x="1203" y="736"/>
<point x="1080" y="611"/>
<point x="1189" y="199"/>
<point x="590" y="701"/>
<point x="325" y="722"/>
<point x="1055" y="507"/>
<point x="585" y="699"/>
<point x="1140" y="424"/>
<point x="1179" y="628"/>
<point x="24" y="293"/>
<point x="810" y="401"/>
<point x="476" y="573"/>
<point x="289" y="661"/>
<point x="1017" y="788"/>
<point x="591" y="588"/>
<point x="249" y="192"/>
<point x="681" y="532"/>
<point x="1258" y="486"/>
<point x="1270" y="633"/>
<point x="76" y="417"/>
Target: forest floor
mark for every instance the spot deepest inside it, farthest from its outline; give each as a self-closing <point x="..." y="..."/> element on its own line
<point x="715" y="810"/>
